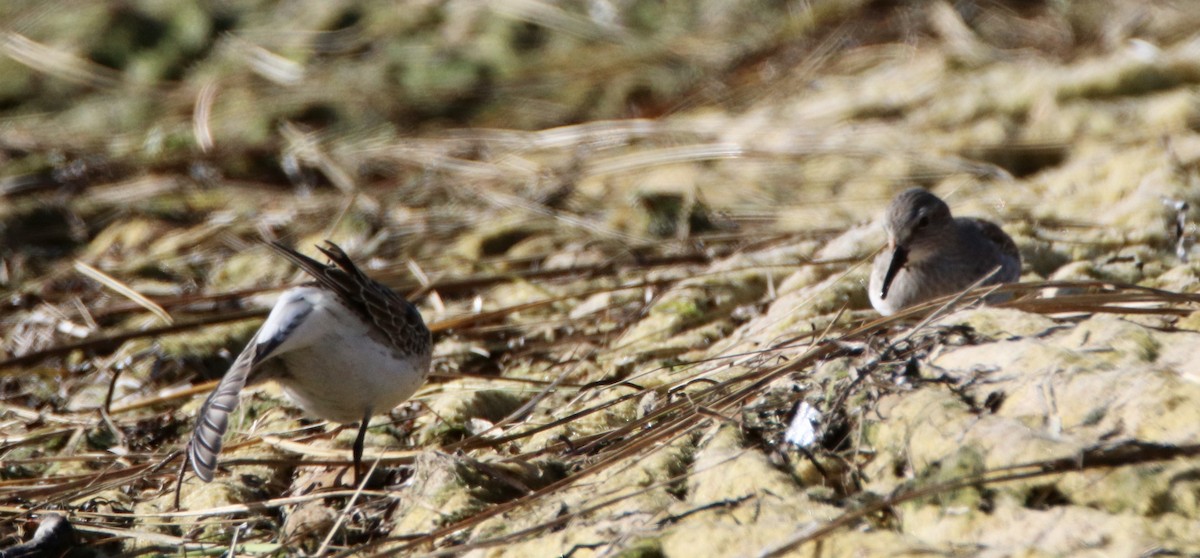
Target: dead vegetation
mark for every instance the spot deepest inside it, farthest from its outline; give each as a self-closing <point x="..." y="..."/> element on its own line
<point x="638" y="236"/>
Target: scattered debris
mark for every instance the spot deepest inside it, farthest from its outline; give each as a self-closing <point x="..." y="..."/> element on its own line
<point x="805" y="426"/>
<point x="1180" y="233"/>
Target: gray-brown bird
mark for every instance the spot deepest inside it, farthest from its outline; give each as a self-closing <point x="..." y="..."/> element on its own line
<point x="930" y="253"/>
<point x="343" y="347"/>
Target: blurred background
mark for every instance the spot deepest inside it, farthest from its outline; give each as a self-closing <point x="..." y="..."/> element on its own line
<point x="574" y="192"/>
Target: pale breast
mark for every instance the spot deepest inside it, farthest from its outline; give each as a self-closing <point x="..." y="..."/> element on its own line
<point x="347" y="373"/>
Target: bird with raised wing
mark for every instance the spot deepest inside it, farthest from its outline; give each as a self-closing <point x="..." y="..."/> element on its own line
<point x="343" y="347"/>
<point x="930" y="253"/>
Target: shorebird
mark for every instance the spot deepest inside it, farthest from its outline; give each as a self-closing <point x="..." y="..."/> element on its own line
<point x="343" y="347"/>
<point x="930" y="253"/>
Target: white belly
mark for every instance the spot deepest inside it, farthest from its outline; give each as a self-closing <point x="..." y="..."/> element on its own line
<point x="342" y="373"/>
<point x="344" y="383"/>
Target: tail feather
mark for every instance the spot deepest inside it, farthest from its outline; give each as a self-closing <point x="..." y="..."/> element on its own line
<point x="392" y="315"/>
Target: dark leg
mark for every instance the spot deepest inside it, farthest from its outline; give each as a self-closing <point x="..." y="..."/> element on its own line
<point x="358" y="448"/>
<point x="179" y="477"/>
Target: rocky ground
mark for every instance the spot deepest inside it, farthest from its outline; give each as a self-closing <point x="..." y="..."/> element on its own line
<point x="641" y="232"/>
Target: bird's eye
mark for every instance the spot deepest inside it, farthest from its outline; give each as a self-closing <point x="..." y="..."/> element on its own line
<point x="923" y="222"/>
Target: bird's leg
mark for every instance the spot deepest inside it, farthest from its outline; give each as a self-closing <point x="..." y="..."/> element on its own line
<point x="187" y="456"/>
<point x="358" y="447"/>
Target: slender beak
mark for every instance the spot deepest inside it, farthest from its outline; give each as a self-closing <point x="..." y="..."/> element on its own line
<point x="899" y="258"/>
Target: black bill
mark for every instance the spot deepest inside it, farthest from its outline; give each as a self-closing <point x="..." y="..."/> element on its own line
<point x="899" y="258"/>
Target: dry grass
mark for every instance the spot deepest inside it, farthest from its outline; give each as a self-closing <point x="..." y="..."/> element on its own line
<point x="602" y="231"/>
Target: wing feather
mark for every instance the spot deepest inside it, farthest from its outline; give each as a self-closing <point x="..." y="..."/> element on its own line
<point x="214" y="414"/>
<point x="392" y="316"/>
<point x="213" y="419"/>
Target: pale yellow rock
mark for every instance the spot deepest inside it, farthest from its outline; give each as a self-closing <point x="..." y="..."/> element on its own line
<point x="1000" y="323"/>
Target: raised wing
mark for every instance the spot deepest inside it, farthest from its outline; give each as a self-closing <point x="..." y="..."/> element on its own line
<point x="289" y="312"/>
